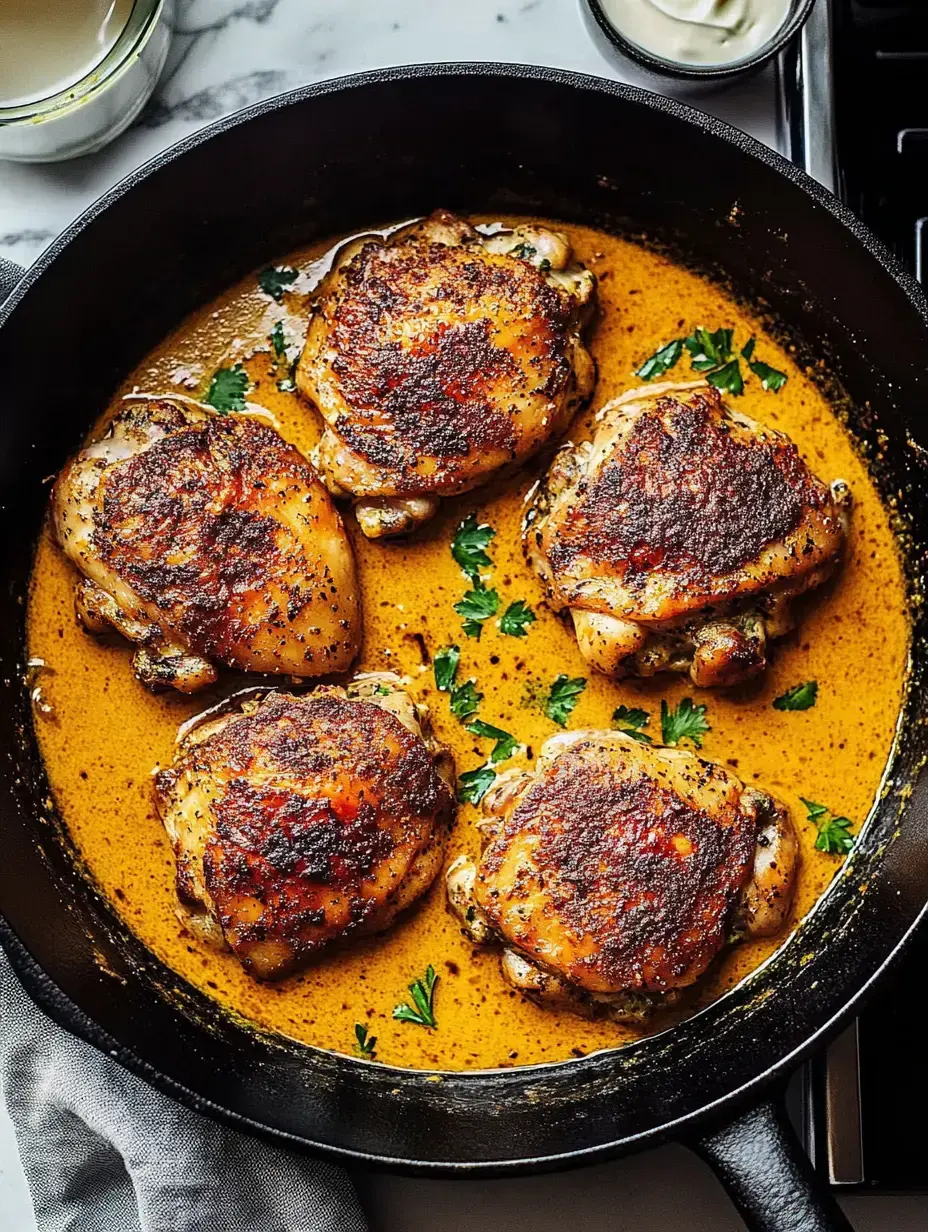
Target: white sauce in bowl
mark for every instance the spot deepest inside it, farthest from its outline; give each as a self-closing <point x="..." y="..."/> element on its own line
<point x="48" y="45"/>
<point x="705" y="32"/>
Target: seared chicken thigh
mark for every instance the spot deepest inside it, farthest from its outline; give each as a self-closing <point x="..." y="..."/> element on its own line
<point x="301" y="821"/>
<point x="207" y="540"/>
<point x="680" y="535"/>
<point x="439" y="356"/>
<point x="616" y="871"/>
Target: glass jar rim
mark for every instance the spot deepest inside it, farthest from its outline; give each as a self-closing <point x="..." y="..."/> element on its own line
<point x="135" y="33"/>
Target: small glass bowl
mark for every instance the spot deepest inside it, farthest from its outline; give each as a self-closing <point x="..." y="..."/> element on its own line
<point x="92" y="111"/>
<point x="653" y="69"/>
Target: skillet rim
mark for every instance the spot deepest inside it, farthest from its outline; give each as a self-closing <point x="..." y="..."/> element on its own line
<point x="66" y="1012"/>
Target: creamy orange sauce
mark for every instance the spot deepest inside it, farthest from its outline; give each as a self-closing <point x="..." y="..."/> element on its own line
<point x="106" y="732"/>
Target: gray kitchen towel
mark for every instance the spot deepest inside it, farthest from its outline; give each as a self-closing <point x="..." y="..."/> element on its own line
<point x="104" y="1152"/>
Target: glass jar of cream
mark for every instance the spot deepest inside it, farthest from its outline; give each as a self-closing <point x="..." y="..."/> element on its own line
<point x="75" y="73"/>
<point x="698" y="39"/>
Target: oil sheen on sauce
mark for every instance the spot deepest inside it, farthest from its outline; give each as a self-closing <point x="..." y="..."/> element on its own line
<point x="106" y="732"/>
<point x="698" y="31"/>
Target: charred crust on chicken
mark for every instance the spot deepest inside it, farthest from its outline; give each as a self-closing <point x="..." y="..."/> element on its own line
<point x="678" y="538"/>
<point x="207" y="540"/>
<point x="301" y="821"/>
<point x="438" y="357"/>
<point x="615" y="873"/>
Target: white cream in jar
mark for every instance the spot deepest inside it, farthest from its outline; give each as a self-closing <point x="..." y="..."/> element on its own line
<point x="75" y="73"/>
<point x="47" y="45"/>
<point x="698" y="32"/>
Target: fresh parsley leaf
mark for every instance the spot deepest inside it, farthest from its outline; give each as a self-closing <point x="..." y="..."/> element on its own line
<point x="525" y="251"/>
<point x="544" y="265"/>
<point x="770" y="378"/>
<point x="469" y="544"/>
<point x="631" y="722"/>
<point x="477" y="606"/>
<point x="562" y="698"/>
<point x="473" y="785"/>
<point x="465" y="699"/>
<point x="278" y="341"/>
<point x="833" y="836"/>
<point x="799" y="697"/>
<point x="709" y="349"/>
<point x="728" y="377"/>
<point x="687" y="722"/>
<point x="423" y="997"/>
<point x="505" y="745"/>
<point x="227" y="389"/>
<point x="383" y="690"/>
<point x="445" y="667"/>
<point x="274" y="280"/>
<point x="365" y="1044"/>
<point x="515" y="618"/>
<point x="661" y="361"/>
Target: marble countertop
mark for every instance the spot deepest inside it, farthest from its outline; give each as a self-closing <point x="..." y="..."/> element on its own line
<point x="227" y="54"/>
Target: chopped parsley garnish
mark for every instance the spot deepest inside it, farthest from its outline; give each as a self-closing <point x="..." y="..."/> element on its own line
<point x="687" y="722"/>
<point x="445" y="667"/>
<point x="284" y="370"/>
<point x="799" y="697"/>
<point x="278" y="341"/>
<point x="477" y="606"/>
<point x="544" y="265"/>
<point x="562" y="698"/>
<point x="771" y="378"/>
<point x="423" y="996"/>
<point x="473" y="785"/>
<point x="465" y="699"/>
<point x="525" y="251"/>
<point x="728" y="378"/>
<point x="709" y="350"/>
<point x="661" y="361"/>
<point x="468" y="547"/>
<point x="274" y="280"/>
<point x="365" y="1044"/>
<point x="505" y="744"/>
<point x="383" y="690"/>
<point x="227" y="389"/>
<point x="833" y="836"/>
<point x="631" y="722"/>
<point x="515" y="618"/>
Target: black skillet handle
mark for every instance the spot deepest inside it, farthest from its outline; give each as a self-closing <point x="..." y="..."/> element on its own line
<point x="10" y="274"/>
<point x="767" y="1174"/>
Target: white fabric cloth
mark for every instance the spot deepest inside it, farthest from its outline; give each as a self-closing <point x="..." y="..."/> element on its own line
<point x="104" y="1152"/>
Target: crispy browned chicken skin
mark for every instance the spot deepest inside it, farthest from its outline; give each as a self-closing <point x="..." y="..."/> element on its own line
<point x="302" y="821"/>
<point x="615" y="872"/>
<point x="680" y="535"/>
<point x="439" y="356"/>
<point x="207" y="540"/>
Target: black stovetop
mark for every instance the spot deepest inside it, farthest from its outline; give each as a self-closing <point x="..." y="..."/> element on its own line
<point x="866" y="1097"/>
<point x="881" y="119"/>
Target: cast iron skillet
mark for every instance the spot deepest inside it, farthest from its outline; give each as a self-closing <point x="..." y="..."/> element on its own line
<point x="331" y="159"/>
